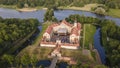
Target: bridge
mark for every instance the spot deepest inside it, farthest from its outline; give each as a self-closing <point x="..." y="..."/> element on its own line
<point x="55" y="54"/>
<point x="54" y="61"/>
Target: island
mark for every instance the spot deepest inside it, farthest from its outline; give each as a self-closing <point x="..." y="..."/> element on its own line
<point x="62" y="34"/>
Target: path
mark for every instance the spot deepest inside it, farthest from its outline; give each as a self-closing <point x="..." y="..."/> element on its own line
<point x="97" y="56"/>
<point x="56" y="54"/>
<point x="54" y="61"/>
<point x="87" y="53"/>
<point x="83" y="36"/>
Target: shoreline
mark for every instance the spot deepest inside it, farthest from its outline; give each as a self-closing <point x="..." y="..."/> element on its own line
<point x="27" y="9"/>
<point x="69" y="8"/>
<point x="73" y="8"/>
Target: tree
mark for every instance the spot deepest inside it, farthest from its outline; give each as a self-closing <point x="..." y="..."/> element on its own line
<point x="49" y="15"/>
<point x="100" y="10"/>
<point x="8" y="58"/>
<point x="12" y="30"/>
<point x="33" y="61"/>
<point x="25" y="60"/>
<point x="20" y="5"/>
<point x="100" y="66"/>
<point x="17" y="62"/>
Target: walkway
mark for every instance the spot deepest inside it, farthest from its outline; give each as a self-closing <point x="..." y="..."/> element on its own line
<point x="97" y="57"/>
<point x="87" y="52"/>
<point x="83" y="36"/>
<point x="57" y="55"/>
<point x="54" y="61"/>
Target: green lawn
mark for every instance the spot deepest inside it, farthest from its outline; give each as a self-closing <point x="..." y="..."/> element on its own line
<point x="89" y="34"/>
<point x="114" y="12"/>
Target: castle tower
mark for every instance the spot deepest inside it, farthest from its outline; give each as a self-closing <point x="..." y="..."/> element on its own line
<point x="75" y="23"/>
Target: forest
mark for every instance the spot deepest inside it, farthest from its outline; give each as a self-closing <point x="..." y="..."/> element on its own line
<point x="110" y="36"/>
<point x="57" y="3"/>
<point x="14" y="30"/>
<point x="111" y="42"/>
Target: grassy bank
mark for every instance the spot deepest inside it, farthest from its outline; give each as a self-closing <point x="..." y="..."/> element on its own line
<point x="87" y="7"/>
<point x="89" y="34"/>
<point x="8" y="6"/>
<point x="44" y="27"/>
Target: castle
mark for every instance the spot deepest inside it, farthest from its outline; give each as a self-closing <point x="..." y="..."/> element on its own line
<point x="63" y="33"/>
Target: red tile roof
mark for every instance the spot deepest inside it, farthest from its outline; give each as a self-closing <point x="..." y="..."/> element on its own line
<point x="53" y="25"/>
<point x="74" y="31"/>
<point x="49" y="29"/>
<point x="65" y="22"/>
<point x="78" y="26"/>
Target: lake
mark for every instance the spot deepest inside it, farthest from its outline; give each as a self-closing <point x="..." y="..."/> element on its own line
<point x="60" y="15"/>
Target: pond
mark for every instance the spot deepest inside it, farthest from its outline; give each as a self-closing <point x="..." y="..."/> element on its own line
<point x="60" y="14"/>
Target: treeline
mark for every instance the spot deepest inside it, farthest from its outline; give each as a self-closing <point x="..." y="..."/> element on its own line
<point x="83" y="19"/>
<point x="12" y="30"/>
<point x="57" y="3"/>
<point x="25" y="61"/>
<point x="110" y="36"/>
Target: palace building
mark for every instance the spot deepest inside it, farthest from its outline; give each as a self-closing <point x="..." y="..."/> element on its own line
<point x="65" y="34"/>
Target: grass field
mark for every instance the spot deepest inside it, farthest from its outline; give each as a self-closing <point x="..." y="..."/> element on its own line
<point x="89" y="34"/>
<point x="114" y="12"/>
<point x="85" y="8"/>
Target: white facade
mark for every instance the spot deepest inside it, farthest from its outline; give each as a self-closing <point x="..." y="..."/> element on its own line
<point x="63" y="26"/>
<point x="73" y="37"/>
<point x="47" y="45"/>
<point x="66" y="47"/>
<point x="46" y="35"/>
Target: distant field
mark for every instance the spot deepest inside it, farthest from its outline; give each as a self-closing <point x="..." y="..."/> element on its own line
<point x="114" y="12"/>
<point x="85" y="8"/>
<point x="8" y="6"/>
